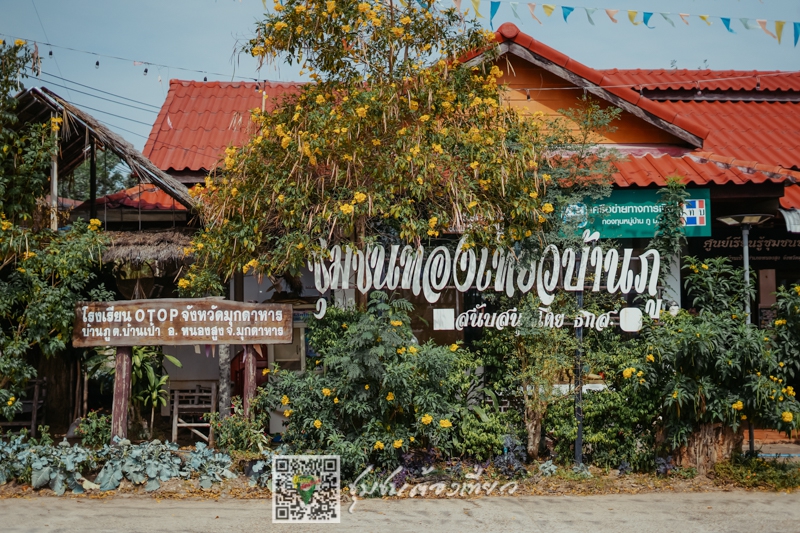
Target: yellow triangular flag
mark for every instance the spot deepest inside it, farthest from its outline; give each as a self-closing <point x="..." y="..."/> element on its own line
<point x="548" y="9"/>
<point x="779" y="29"/>
<point x="475" y="4"/>
<point x="704" y="18"/>
<point x="632" y="17"/>
<point x="611" y="13"/>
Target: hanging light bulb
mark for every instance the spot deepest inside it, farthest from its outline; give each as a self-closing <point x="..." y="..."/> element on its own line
<point x="527" y="94"/>
<point x="50" y="53"/>
<point x="96" y="63"/>
<point x="205" y="78"/>
<point x="145" y="72"/>
<point x="758" y="83"/>
<point x="699" y="92"/>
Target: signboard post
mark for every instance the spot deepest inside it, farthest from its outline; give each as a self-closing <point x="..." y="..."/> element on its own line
<point x="176" y="321"/>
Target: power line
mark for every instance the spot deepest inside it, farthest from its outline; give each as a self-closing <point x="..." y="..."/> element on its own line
<point x="50" y="83"/>
<point x="100" y="90"/>
<point x="149" y="63"/>
<point x="46" y="37"/>
<point x="111" y="114"/>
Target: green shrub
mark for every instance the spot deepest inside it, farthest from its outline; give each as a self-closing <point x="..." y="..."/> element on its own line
<point x="94" y="430"/>
<point x="237" y="432"/>
<point x="376" y="394"/>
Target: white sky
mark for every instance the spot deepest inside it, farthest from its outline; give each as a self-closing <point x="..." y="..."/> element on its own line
<point x="203" y="36"/>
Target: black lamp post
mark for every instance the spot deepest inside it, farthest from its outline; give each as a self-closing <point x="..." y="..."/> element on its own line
<point x="746" y="222"/>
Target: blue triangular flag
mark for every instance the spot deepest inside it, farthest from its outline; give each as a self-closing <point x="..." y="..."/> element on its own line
<point x="566" y="11"/>
<point x="727" y="23"/>
<point x="666" y="17"/>
<point x="796" y="32"/>
<point x="646" y="19"/>
<point x="514" y="8"/>
<point x="589" y="11"/>
<point x="494" y="6"/>
<point x="423" y="5"/>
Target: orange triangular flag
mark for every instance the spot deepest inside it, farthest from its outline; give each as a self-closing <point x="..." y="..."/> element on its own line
<point x="632" y="17"/>
<point x="763" y="24"/>
<point x="779" y="29"/>
<point x="611" y="13"/>
<point x="684" y="17"/>
<point x="532" y="8"/>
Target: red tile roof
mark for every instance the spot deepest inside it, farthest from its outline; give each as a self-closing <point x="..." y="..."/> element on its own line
<point x="200" y="119"/>
<point x="791" y="197"/>
<point x="147" y="197"/>
<point x="726" y="80"/>
<point x="697" y="170"/>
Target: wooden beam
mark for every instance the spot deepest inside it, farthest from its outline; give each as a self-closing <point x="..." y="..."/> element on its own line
<point x="122" y="392"/>
<point x="571" y="77"/>
<point x="249" y="378"/>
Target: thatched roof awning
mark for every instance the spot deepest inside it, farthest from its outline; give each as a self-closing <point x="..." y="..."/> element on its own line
<point x="37" y="105"/>
<point x="154" y="246"/>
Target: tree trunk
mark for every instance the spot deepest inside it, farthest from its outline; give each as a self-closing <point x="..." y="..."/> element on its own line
<point x="709" y="444"/>
<point x="249" y="378"/>
<point x="59" y="395"/>
<point x="533" y="425"/>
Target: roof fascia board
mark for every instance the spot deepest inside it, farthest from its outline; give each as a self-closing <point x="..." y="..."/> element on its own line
<point x="566" y="74"/>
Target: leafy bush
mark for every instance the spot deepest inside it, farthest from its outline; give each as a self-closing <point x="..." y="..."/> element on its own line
<point x="147" y="463"/>
<point x="378" y="393"/>
<point x="510" y="463"/>
<point x="711" y="366"/>
<point x="95" y="430"/>
<point x="58" y="466"/>
<point x="211" y="467"/>
<point x="238" y="432"/>
<point x="11" y="466"/>
<point x="261" y="471"/>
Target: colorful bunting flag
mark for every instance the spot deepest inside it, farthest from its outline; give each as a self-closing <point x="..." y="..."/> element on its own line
<point x="632" y="17"/>
<point x="475" y="4"/>
<point x="611" y="13"/>
<point x="493" y="7"/>
<point x="514" y="8"/>
<point x="458" y="5"/>
<point x="548" y="9"/>
<point x="779" y="29"/>
<point x="796" y="32"/>
<point x="684" y="17"/>
<point x="704" y="18"/>
<point x="747" y="25"/>
<point x="727" y="23"/>
<point x="665" y="16"/>
<point x="763" y="24"/>
<point x="646" y="19"/>
<point x="589" y="12"/>
<point x="532" y="8"/>
<point x="566" y="11"/>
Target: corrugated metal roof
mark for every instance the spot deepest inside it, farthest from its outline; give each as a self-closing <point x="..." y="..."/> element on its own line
<point x="200" y="119"/>
<point x="726" y="80"/>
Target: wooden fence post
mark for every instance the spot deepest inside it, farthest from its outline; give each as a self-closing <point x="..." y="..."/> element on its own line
<point x="249" y="377"/>
<point x="122" y="393"/>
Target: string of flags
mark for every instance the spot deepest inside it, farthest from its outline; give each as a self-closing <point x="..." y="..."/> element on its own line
<point x="647" y="19"/>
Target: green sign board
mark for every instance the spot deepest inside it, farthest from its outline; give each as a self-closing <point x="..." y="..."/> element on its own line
<point x="633" y="214"/>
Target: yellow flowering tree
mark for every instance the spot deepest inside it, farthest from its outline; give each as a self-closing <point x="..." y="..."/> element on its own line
<point x="398" y="136"/>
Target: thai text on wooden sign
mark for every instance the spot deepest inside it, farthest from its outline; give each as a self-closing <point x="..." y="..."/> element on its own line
<point x="501" y="271"/>
<point x="180" y="321"/>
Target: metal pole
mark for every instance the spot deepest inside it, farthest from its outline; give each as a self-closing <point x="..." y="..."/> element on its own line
<point x="746" y="253"/>
<point x="579" y="382"/>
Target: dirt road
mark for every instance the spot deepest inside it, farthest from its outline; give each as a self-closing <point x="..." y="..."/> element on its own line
<point x="728" y="512"/>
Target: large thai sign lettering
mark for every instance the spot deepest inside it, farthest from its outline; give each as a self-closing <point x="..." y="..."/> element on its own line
<point x="180" y="321"/>
<point x="410" y="268"/>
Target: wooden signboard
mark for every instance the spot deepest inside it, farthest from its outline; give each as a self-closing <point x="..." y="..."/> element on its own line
<point x="180" y="321"/>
